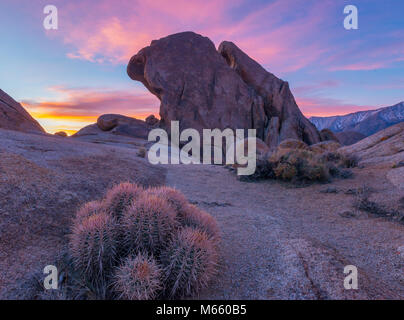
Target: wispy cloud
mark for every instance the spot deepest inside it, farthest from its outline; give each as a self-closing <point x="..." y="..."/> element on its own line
<point x="273" y="33"/>
<point x="78" y="107"/>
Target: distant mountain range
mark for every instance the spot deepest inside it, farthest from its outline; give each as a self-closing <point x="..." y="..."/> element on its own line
<point x="365" y="123"/>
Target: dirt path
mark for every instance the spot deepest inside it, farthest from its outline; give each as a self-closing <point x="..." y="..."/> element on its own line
<point x="281" y="242"/>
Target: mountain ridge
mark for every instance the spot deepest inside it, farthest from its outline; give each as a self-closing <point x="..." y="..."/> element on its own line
<point x="365" y="122"/>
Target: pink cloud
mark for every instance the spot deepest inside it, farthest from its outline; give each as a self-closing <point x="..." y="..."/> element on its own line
<point x="84" y="102"/>
<point x="323" y="107"/>
<point x="112" y="32"/>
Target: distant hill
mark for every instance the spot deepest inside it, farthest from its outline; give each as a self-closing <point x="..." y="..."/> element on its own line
<point x="365" y="123"/>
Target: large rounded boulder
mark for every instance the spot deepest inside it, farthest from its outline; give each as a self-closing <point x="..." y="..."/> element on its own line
<point x="204" y="88"/>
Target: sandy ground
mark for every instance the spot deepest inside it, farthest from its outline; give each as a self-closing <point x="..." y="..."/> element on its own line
<point x="281" y="242"/>
<point x="278" y="241"/>
<point x="43" y="181"/>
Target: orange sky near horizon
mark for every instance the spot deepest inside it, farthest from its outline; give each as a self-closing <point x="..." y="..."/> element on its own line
<point x="72" y="123"/>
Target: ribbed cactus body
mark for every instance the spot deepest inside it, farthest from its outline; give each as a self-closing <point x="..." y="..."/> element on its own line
<point x="190" y="262"/>
<point x="194" y="217"/>
<point x="144" y="244"/>
<point x="138" y="278"/>
<point x="93" y="246"/>
<point x="174" y="197"/>
<point x="148" y="224"/>
<point x="87" y="210"/>
<point x="120" y="197"/>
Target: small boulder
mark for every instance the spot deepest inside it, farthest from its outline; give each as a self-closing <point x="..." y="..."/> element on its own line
<point x="61" y="134"/>
<point x="152" y="120"/>
<point x="107" y="122"/>
<point x="90" y="130"/>
<point x="122" y="125"/>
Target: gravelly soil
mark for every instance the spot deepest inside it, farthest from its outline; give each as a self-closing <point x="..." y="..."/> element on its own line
<point x="278" y="241"/>
<point x="43" y="180"/>
<point x="281" y="242"/>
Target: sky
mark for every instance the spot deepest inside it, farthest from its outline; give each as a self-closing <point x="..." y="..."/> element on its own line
<point x="67" y="77"/>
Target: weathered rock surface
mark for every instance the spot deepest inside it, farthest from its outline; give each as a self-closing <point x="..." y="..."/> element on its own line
<point x="396" y="177"/>
<point x="14" y="117"/>
<point x="277" y="99"/>
<point x="91" y="129"/>
<point x="349" y="137"/>
<point x="205" y="89"/>
<point x="385" y="148"/>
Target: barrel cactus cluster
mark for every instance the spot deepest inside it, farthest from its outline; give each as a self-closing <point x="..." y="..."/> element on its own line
<point x="143" y="244"/>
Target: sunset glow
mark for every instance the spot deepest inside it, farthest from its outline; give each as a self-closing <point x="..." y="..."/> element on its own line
<point x="68" y="77"/>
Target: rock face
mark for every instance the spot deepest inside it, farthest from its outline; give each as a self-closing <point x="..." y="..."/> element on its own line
<point x="385" y="148"/>
<point x="349" y="137"/>
<point x="14" y="117"/>
<point x="283" y="118"/>
<point x="206" y="89"/>
<point x="90" y="130"/>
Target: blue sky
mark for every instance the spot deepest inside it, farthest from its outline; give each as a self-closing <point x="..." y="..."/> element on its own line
<point x="67" y="77"/>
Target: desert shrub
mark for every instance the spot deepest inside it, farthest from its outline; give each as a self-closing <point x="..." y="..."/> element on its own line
<point x="263" y="170"/>
<point x="362" y="202"/>
<point x="190" y="262"/>
<point x="285" y="171"/>
<point x="349" y="161"/>
<point x="148" y="224"/>
<point x="339" y="159"/>
<point x="398" y="165"/>
<point x="303" y="166"/>
<point x="114" y="257"/>
<point x="138" y="278"/>
<point x="93" y="247"/>
<point x="121" y="197"/>
<point x="299" y="165"/>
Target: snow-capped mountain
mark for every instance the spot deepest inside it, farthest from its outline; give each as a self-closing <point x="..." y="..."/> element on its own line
<point x="365" y="122"/>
